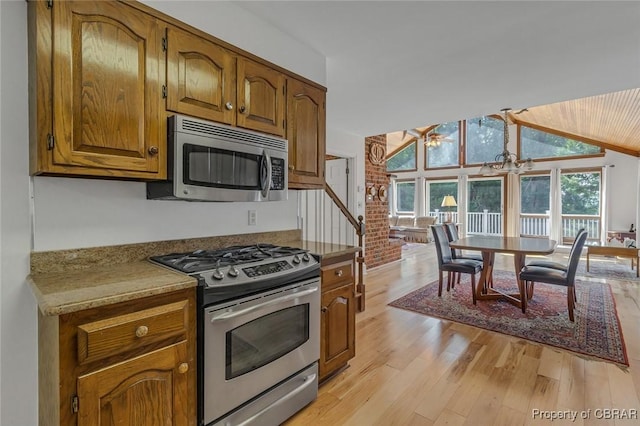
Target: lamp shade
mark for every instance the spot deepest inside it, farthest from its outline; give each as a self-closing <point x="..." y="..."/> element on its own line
<point x="449" y="201"/>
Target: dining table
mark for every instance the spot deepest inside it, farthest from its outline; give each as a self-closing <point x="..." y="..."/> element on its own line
<point x="520" y="247"/>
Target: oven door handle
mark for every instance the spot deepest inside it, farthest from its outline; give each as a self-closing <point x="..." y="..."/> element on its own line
<point x="307" y="381"/>
<point x="227" y="315"/>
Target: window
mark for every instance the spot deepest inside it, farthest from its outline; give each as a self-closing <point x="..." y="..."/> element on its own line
<point x="580" y="204"/>
<point x="436" y="191"/>
<point x="536" y="144"/>
<point x="447" y="153"/>
<point x="535" y="198"/>
<point x="405" y="193"/>
<point x="484" y="139"/>
<point x="484" y="206"/>
<point x="403" y="160"/>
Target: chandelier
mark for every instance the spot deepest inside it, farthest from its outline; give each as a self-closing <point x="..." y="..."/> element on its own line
<point x="506" y="162"/>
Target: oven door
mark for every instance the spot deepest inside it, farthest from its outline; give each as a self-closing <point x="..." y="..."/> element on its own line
<point x="254" y="343"/>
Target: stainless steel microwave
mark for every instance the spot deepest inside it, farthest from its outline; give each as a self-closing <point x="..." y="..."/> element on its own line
<point x="214" y="162"/>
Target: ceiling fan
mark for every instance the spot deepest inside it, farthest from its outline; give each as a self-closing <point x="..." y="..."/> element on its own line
<point x="430" y="138"/>
<point x="434" y="139"/>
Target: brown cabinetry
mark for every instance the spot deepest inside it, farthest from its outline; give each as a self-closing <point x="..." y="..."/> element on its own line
<point x="96" y="106"/>
<point x="306" y="117"/>
<point x="100" y="73"/>
<point x="201" y="77"/>
<point x="132" y="363"/>
<point x="338" y="311"/>
<point x="261" y="97"/>
<point x="207" y="81"/>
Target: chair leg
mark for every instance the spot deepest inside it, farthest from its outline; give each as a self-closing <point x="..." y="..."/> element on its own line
<point x="529" y="286"/>
<point x="575" y="297"/>
<point x="449" y="281"/>
<point x="459" y="277"/>
<point x="440" y="283"/>
<point x="473" y="288"/>
<point x="570" y="302"/>
<point x="454" y="275"/>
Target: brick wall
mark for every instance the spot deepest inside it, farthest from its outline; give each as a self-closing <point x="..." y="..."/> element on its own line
<point x="378" y="249"/>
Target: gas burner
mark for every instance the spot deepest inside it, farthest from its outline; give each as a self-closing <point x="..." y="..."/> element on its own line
<point x="207" y="260"/>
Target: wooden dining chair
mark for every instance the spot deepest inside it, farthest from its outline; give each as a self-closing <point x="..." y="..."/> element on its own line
<point x="446" y="262"/>
<point x="532" y="274"/>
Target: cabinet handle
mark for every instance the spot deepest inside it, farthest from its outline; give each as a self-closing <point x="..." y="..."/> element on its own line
<point x="242" y="109"/>
<point x="153" y="150"/>
<point x="339" y="272"/>
<point x="229" y="106"/>
<point x="292" y="167"/>
<point x="142" y="331"/>
<point x="183" y="368"/>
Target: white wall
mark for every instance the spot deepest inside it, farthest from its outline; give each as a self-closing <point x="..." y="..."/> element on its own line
<point x="71" y="213"/>
<point x="19" y="366"/>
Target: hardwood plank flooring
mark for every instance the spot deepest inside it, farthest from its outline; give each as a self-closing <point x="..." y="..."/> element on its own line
<point x="411" y="369"/>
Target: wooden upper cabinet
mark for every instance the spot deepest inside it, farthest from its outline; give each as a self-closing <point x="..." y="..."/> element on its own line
<point x="306" y="115"/>
<point x="106" y="113"/>
<point x="201" y="77"/>
<point x="261" y="97"/>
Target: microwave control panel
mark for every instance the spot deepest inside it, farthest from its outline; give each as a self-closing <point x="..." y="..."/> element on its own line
<point x="277" y="173"/>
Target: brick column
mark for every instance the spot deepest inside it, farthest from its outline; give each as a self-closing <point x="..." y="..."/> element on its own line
<point x="378" y="249"/>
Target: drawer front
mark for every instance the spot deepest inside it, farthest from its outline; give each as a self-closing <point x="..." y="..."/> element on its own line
<point x="337" y="274"/>
<point x="112" y="336"/>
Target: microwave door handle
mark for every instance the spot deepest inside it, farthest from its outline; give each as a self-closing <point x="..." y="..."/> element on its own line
<point x="266" y="180"/>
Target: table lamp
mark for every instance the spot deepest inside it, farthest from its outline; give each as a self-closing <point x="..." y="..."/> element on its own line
<point x="449" y="201"/>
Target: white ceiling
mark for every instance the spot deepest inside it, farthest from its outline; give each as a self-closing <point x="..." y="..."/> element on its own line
<point x="394" y="65"/>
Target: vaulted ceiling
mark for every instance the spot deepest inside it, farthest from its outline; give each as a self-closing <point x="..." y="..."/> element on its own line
<point x="611" y="121"/>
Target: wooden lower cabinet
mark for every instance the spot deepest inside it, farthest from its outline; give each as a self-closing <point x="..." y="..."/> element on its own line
<point x="131" y="364"/>
<point x="149" y="390"/>
<point x="338" y="311"/>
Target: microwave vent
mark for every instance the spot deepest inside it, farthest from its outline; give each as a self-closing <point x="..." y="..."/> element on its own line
<point x="231" y="133"/>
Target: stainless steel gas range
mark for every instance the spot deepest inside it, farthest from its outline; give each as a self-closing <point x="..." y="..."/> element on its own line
<point x="258" y="331"/>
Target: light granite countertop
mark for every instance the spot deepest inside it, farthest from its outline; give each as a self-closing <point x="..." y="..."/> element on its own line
<point x="60" y="293"/>
<point x="67" y="281"/>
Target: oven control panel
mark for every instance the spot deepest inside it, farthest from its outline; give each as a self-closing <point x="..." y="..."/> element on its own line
<point x="267" y="268"/>
<point x="258" y="271"/>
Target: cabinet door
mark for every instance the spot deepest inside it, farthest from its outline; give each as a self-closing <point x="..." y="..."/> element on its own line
<point x="200" y="78"/>
<point x="306" y="134"/>
<point x="107" y="109"/>
<point x="150" y="390"/>
<point x="338" y="336"/>
<point x="261" y="97"/>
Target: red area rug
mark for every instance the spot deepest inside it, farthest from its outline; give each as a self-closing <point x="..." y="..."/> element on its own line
<point x="595" y="333"/>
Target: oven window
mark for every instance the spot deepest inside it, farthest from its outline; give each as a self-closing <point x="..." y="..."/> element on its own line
<point x="266" y="339"/>
<point x="221" y="168"/>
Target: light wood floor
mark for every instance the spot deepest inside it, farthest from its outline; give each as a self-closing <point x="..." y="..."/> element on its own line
<point x="411" y="369"/>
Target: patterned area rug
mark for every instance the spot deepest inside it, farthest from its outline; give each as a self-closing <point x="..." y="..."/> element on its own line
<point x="607" y="267"/>
<point x="595" y="333"/>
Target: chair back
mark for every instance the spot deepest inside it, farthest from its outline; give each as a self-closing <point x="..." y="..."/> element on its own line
<point x="574" y="255"/>
<point x="441" y="241"/>
<point x="452" y="233"/>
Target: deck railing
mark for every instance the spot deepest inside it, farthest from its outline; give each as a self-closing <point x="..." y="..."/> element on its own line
<point x="531" y="225"/>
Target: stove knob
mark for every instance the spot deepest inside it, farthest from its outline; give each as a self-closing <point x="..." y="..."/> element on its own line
<point x="296" y="259"/>
<point x="233" y="272"/>
<point x="305" y="257"/>
<point x="217" y="274"/>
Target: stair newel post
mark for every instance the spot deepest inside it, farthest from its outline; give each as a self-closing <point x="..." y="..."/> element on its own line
<point x="360" y="288"/>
